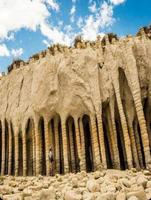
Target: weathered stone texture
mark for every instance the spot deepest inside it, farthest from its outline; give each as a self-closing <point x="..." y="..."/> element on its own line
<point x="91" y="104"/>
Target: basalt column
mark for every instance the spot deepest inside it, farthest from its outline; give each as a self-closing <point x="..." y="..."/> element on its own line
<point x="107" y="138"/>
<point x="29" y="147"/>
<point x="20" y="153"/>
<point x="6" y="147"/>
<point x="129" y="110"/>
<point x="0" y="146"/>
<point x="57" y="146"/>
<point x="83" y="151"/>
<point x="42" y="147"/>
<point x="65" y="148"/>
<point x="72" y="149"/>
<point x="11" y="170"/>
<point x="120" y="140"/>
<point x="88" y="144"/>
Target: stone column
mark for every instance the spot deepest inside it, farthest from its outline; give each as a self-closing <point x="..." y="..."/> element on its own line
<point x="78" y="144"/>
<point x="46" y="123"/>
<point x="101" y="139"/>
<point x="71" y="146"/>
<point x="142" y="123"/>
<point x="138" y="144"/>
<point x="3" y="149"/>
<point x="37" y="149"/>
<point x="34" y="149"/>
<point x="16" y="132"/>
<point x="114" y="138"/>
<point x="95" y="144"/>
<point x="124" y="128"/>
<point x="24" y="152"/>
<point x="10" y="150"/>
<point x="57" y="161"/>
<point x="65" y="149"/>
<point x="83" y="158"/>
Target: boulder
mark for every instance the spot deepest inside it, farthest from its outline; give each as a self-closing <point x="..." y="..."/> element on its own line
<point x="140" y="194"/>
<point x="133" y="198"/>
<point x="93" y="186"/>
<point x="121" y="196"/>
<point x="142" y="181"/>
<point x="71" y="195"/>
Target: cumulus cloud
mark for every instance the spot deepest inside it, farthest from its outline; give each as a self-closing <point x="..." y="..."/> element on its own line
<point x="36" y="15"/>
<point x="92" y="7"/>
<point x="53" y="4"/>
<point x="30" y="15"/>
<point x="72" y="13"/>
<point x="16" y="53"/>
<point x="116" y="2"/>
<point x="4" y="52"/>
<point x="103" y="17"/>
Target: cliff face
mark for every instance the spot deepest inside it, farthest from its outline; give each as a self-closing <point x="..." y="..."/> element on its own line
<point x="110" y="84"/>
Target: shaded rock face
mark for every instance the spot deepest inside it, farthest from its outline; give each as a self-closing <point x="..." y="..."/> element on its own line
<point x="91" y="105"/>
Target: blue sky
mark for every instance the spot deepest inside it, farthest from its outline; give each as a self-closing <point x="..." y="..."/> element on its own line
<point x="29" y="26"/>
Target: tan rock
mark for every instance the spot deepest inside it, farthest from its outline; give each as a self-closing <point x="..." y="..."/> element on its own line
<point x="71" y="195"/>
<point x="140" y="194"/>
<point x="93" y="186"/>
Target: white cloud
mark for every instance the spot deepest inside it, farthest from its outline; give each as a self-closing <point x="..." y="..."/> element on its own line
<point x="46" y="43"/>
<point x="17" y="14"/>
<point x="103" y="17"/>
<point x="73" y="10"/>
<point x="80" y="22"/>
<point x="117" y="2"/>
<point x="16" y="53"/>
<point x="4" y="52"/>
<point x="72" y="13"/>
<point x="54" y="35"/>
<point x="53" y="4"/>
<point x="92" y="7"/>
<point x="35" y="15"/>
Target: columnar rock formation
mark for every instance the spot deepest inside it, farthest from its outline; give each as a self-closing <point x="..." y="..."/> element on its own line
<point x="91" y="103"/>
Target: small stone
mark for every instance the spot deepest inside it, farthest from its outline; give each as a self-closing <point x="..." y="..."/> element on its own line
<point x="71" y="195"/>
<point x="142" y="181"/>
<point x="121" y="196"/>
<point x="133" y="198"/>
<point x="47" y="194"/>
<point x="126" y="182"/>
<point x="140" y="194"/>
<point x="147" y="173"/>
<point x="93" y="186"/>
<point x="148" y="185"/>
<point x="97" y="174"/>
<point x="74" y="182"/>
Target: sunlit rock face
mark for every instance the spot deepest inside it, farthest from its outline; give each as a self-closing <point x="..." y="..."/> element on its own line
<point x="91" y="103"/>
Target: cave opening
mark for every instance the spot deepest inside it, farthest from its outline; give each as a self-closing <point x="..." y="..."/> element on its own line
<point x="121" y="145"/>
<point x="141" y="145"/>
<point x="6" y="147"/>
<point x="29" y="147"/>
<point x="0" y="145"/>
<point x="88" y="145"/>
<point x="107" y="147"/>
<point x="42" y="146"/>
<point x="20" y="161"/>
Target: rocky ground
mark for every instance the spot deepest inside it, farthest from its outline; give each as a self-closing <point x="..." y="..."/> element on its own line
<point x="99" y="185"/>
